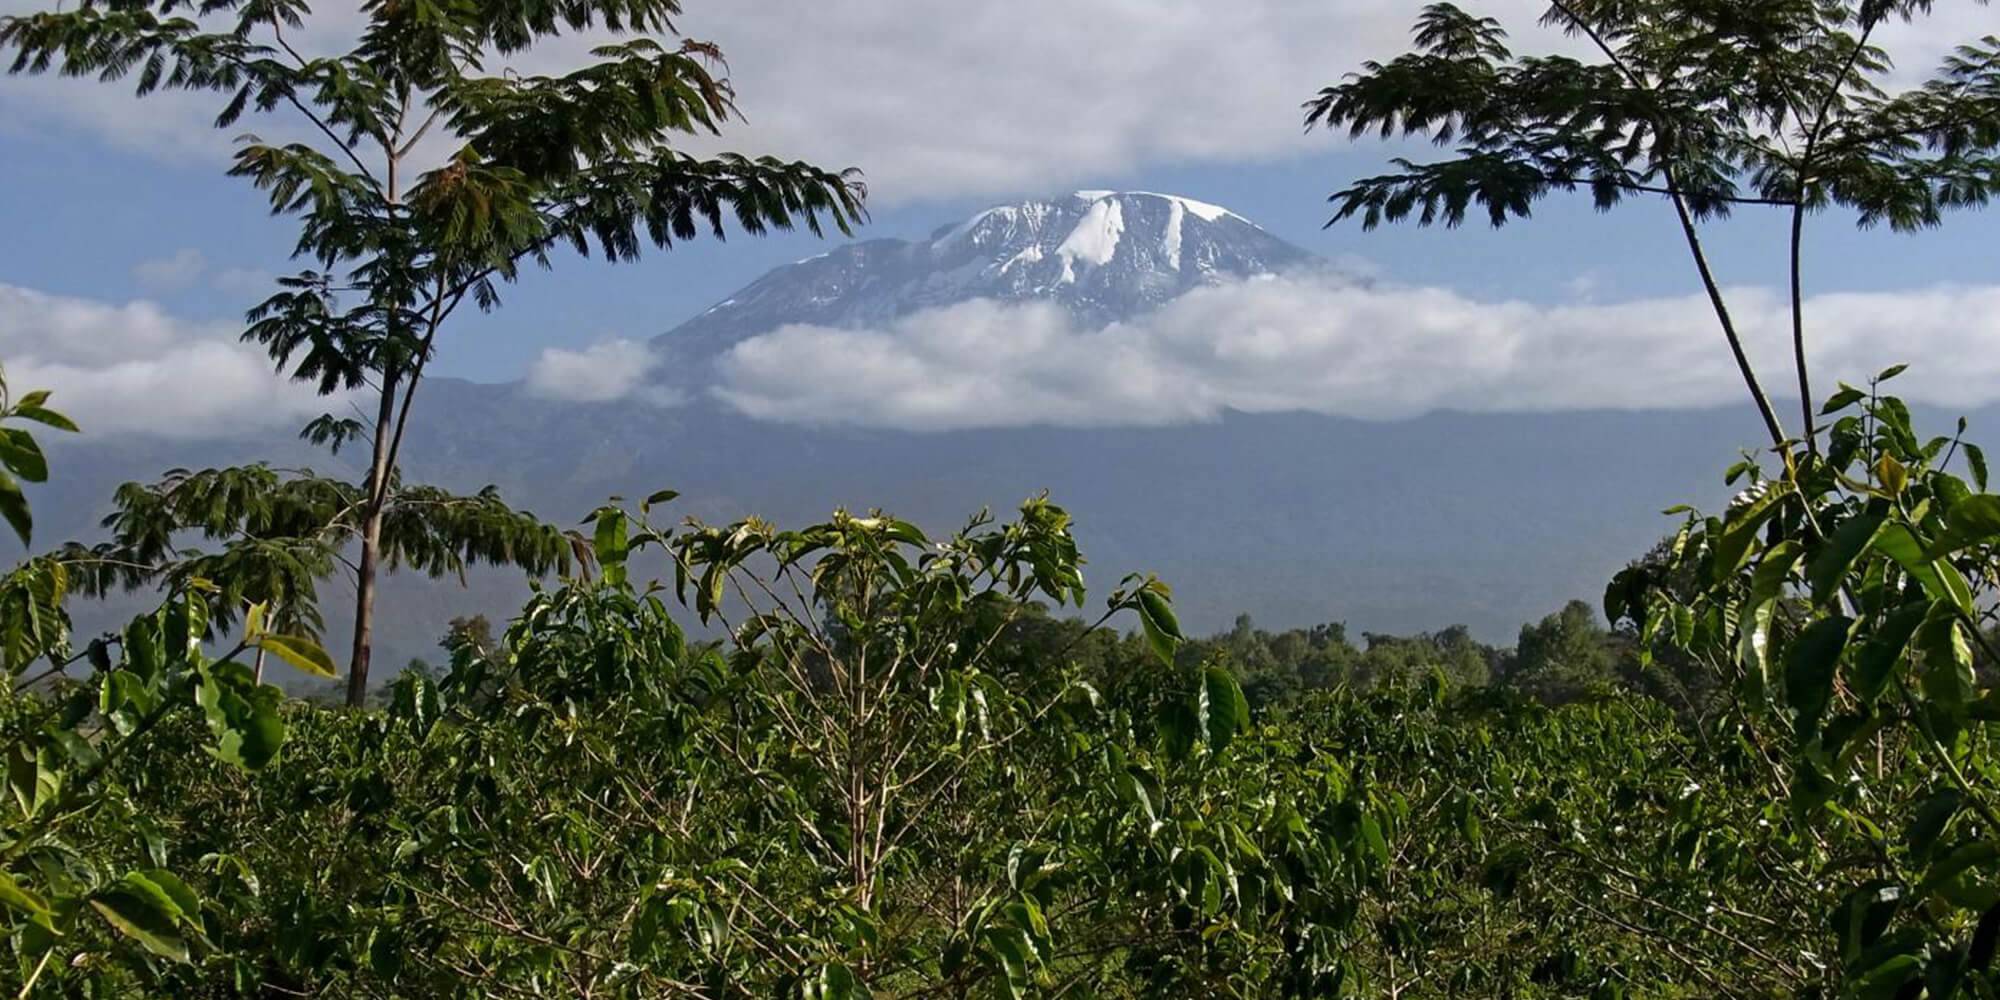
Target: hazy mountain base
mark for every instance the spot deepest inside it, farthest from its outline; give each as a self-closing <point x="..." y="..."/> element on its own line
<point x="1394" y="527"/>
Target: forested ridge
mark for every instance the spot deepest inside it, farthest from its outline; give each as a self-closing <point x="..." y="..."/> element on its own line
<point x="860" y="757"/>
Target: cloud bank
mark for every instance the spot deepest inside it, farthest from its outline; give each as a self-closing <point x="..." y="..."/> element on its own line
<point x="1315" y="345"/>
<point x="1306" y="343"/>
<point x="951" y="100"/>
<point x="134" y="368"/>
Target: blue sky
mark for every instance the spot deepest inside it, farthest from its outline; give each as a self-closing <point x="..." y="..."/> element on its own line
<point x="120" y="209"/>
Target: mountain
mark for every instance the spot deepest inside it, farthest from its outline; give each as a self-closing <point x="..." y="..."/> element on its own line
<point x="1101" y="255"/>
<point x="1399" y="526"/>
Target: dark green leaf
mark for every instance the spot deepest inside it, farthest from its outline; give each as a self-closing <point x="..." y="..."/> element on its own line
<point x="14" y="508"/>
<point x="24" y="902"/>
<point x="1830" y="567"/>
<point x="1810" y="666"/>
<point x="144" y="912"/>
<point x="20" y="455"/>
<point x="1228" y="712"/>
<point x="1876" y="663"/>
<point x="1974" y="520"/>
<point x="1846" y="397"/>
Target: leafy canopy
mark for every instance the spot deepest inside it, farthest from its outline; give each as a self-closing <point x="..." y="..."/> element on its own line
<point x="1718" y="102"/>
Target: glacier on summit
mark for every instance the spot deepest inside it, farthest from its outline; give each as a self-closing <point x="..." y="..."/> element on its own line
<point x="1102" y="256"/>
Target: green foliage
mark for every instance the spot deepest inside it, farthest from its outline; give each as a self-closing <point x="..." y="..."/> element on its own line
<point x="1710" y="105"/>
<point x="1844" y="596"/>
<point x="86" y="886"/>
<point x="278" y="534"/>
<point x="1708" y="102"/>
<point x="538" y="163"/>
<point x="21" y="459"/>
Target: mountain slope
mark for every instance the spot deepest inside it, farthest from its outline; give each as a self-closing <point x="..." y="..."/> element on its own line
<point x="1101" y="255"/>
<point x="1297" y="518"/>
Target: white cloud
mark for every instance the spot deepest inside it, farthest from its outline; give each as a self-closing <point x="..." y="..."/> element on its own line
<point x="1307" y="344"/>
<point x="946" y="100"/>
<point x="601" y="373"/>
<point x="116" y="368"/>
<point x="245" y="281"/>
<point x="172" y="272"/>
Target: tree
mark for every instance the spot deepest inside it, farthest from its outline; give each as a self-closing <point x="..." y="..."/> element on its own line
<point x="1563" y="657"/>
<point x="398" y="239"/>
<point x="278" y="533"/>
<point x="1839" y="596"/>
<point x="1713" y="105"/>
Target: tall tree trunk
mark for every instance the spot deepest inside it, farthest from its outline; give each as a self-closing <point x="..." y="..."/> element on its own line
<point x="1721" y="307"/>
<point x="371" y="542"/>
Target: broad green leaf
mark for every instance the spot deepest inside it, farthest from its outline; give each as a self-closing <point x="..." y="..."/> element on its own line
<point x="1984" y="937"/>
<point x="20" y="455"/>
<point x="144" y="912"/>
<point x="253" y="621"/>
<point x="300" y="652"/>
<point x="46" y="417"/>
<point x="1975" y="460"/>
<point x="1940" y="579"/>
<point x="1810" y="666"/>
<point x="1753" y="647"/>
<point x="1931" y="816"/>
<point x="1948" y="676"/>
<point x="1739" y="532"/>
<point x="1774" y="570"/>
<point x="1876" y="663"/>
<point x="242" y="714"/>
<point x="1830" y="567"/>
<point x="1894" y="475"/>
<point x="610" y="543"/>
<point x="14" y="509"/>
<point x="1228" y="712"/>
<point x="1846" y="397"/>
<point x="184" y="898"/>
<point x="1160" y="611"/>
<point x="1886" y="981"/>
<point x="1972" y="521"/>
<point x="25" y="902"/>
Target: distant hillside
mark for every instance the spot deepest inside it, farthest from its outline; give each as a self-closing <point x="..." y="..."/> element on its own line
<point x="1487" y="521"/>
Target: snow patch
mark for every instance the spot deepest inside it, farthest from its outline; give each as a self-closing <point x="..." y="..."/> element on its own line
<point x="1095" y="238"/>
<point x="1176" y="221"/>
<point x="1030" y="255"/>
<point x="1199" y="209"/>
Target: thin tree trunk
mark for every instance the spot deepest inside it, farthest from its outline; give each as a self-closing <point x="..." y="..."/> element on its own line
<point x="1799" y="326"/>
<point x="371" y="543"/>
<point x="1777" y="430"/>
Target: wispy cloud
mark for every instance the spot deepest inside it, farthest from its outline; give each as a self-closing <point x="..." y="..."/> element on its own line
<point x="1308" y="344"/>
<point x="173" y="272"/>
<point x="601" y="373"/>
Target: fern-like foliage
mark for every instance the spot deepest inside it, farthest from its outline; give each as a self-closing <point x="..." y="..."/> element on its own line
<point x="1716" y="102"/>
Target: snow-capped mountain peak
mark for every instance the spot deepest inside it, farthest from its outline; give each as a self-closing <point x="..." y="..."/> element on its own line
<point x="1102" y="255"/>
